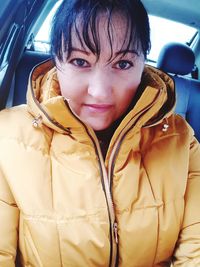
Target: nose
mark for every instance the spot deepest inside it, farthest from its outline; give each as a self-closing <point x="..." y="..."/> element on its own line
<point x="100" y="85"/>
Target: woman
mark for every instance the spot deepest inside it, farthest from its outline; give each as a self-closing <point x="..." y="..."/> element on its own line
<point x="96" y="170"/>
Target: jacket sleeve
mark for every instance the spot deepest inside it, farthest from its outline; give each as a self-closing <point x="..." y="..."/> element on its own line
<point x="9" y="217"/>
<point x="187" y="252"/>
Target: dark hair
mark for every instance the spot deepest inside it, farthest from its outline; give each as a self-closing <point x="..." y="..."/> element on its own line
<point x="87" y="12"/>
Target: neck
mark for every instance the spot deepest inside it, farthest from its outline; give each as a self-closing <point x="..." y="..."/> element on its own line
<point x="104" y="136"/>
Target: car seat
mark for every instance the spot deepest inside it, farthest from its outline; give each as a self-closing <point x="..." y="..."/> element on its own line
<point x="27" y="62"/>
<point x="178" y="60"/>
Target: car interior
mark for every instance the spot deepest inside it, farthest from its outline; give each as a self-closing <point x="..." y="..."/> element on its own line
<point x="21" y="21"/>
<point x="179" y="60"/>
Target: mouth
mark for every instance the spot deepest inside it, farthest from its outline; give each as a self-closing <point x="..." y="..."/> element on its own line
<point x="98" y="107"/>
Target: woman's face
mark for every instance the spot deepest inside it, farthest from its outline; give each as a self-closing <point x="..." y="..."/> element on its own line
<point x="100" y="91"/>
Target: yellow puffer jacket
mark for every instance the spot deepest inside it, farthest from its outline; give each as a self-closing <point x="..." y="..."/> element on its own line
<point x="62" y="205"/>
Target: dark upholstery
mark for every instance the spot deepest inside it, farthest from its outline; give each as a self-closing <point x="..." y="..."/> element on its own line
<point x="27" y="62"/>
<point x="178" y="60"/>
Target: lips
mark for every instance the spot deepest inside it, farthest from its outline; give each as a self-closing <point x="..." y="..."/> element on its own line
<point x="98" y="107"/>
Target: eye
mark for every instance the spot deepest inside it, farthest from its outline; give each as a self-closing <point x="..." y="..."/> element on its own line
<point x="123" y="65"/>
<point x="79" y="62"/>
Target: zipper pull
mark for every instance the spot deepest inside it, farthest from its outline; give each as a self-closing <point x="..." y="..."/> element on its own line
<point x="115" y="232"/>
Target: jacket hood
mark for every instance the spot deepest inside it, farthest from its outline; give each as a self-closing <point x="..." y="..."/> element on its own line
<point x="45" y="103"/>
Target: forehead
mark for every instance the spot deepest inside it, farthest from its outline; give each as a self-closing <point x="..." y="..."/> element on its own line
<point x="114" y="30"/>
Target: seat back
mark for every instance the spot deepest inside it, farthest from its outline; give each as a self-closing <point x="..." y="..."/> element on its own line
<point x="178" y="60"/>
<point x="27" y="62"/>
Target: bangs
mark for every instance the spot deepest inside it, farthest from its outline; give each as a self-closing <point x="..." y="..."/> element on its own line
<point x="82" y="22"/>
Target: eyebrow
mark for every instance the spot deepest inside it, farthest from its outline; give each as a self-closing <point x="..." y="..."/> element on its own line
<point x="132" y="51"/>
<point x="125" y="51"/>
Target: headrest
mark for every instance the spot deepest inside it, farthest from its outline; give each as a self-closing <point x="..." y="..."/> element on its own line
<point x="176" y="58"/>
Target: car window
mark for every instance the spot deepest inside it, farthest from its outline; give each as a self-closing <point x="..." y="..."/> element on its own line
<point x="162" y="31"/>
<point x="42" y="39"/>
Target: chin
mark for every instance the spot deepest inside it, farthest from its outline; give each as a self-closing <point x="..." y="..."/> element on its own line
<point x="98" y="124"/>
<point x="99" y="127"/>
<point x="96" y="128"/>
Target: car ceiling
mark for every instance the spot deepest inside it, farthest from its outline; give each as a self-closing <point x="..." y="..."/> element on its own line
<point x="185" y="11"/>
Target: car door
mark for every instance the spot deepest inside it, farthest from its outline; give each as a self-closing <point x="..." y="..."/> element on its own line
<point x="16" y="20"/>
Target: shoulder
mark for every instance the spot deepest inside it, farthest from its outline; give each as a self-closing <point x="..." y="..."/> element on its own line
<point x="13" y="120"/>
<point x="17" y="126"/>
<point x="180" y="128"/>
<point x="178" y="133"/>
<point x="180" y="125"/>
<point x="15" y="115"/>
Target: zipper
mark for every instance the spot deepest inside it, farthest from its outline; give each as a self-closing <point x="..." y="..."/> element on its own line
<point x="112" y="160"/>
<point x="111" y="164"/>
<point x="121" y="137"/>
<point x="118" y="142"/>
<point x="115" y="227"/>
<point x="110" y="204"/>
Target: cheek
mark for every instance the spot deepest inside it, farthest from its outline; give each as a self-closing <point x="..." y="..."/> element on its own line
<point x="129" y="87"/>
<point x="125" y="99"/>
<point x="126" y="93"/>
<point x="70" y="86"/>
<point x="131" y="80"/>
